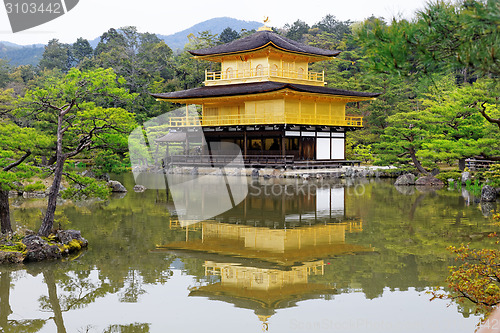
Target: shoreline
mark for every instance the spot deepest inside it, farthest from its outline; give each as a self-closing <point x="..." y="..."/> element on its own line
<point x="340" y="172"/>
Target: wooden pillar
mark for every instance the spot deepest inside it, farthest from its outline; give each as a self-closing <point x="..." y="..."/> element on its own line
<point x="301" y="155"/>
<point x="283" y="150"/>
<point x="245" y="143"/>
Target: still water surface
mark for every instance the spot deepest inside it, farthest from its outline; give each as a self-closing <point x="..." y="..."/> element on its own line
<point x="351" y="257"/>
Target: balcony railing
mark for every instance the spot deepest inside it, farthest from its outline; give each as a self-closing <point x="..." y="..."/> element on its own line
<point x="234" y="120"/>
<point x="263" y="73"/>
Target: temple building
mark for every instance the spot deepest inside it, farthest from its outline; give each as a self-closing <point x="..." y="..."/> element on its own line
<point x="267" y="101"/>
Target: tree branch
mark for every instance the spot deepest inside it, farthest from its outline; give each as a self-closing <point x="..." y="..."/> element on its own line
<point x="21" y="160"/>
<point x="488" y="118"/>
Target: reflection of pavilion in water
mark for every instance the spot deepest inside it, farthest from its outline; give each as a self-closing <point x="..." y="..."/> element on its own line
<point x="281" y="203"/>
<point x="263" y="290"/>
<point x="265" y="251"/>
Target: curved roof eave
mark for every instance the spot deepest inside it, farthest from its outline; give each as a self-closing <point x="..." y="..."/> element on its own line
<point x="260" y="40"/>
<point x="257" y="88"/>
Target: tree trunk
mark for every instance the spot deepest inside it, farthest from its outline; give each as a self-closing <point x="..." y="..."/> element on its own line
<point x="5" y="309"/>
<point x="48" y="220"/>
<point x="54" y="300"/>
<point x="4" y="212"/>
<point x="416" y="162"/>
<point x="461" y="164"/>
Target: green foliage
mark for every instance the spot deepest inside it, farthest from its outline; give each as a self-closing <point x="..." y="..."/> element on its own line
<point x="15" y="143"/>
<point x="37" y="186"/>
<point x="228" y="35"/>
<point x="444" y="36"/>
<point x="405" y="138"/>
<point x="56" y="56"/>
<point x="363" y="152"/>
<point x="80" y="51"/>
<point x="297" y="30"/>
<point x="476" y="280"/>
<point x="85" y="187"/>
<point x="108" y="161"/>
<point x="474" y="187"/>
<point x="456" y="175"/>
<point x="493" y="175"/>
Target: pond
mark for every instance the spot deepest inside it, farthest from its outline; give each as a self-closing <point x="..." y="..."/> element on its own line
<point x="293" y="256"/>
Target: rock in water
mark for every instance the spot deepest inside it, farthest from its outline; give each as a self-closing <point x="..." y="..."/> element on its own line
<point x="140" y="188"/>
<point x="116" y="186"/>
<point x="429" y="181"/>
<point x="255" y="173"/>
<point x="38" y="249"/>
<point x="405" y="180"/>
<point x="11" y="257"/>
<point x="488" y="193"/>
<point x="66" y="236"/>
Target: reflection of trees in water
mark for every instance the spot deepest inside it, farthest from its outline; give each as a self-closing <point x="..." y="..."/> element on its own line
<point x="68" y="290"/>
<point x="132" y="328"/>
<point x="6" y="325"/>
<point x="133" y="289"/>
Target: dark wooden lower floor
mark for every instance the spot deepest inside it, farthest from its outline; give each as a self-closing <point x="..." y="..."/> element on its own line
<point x="280" y="145"/>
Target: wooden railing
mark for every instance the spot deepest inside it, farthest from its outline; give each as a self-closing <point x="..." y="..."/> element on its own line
<point x="225" y="160"/>
<point x="475" y="164"/>
<point x="265" y="72"/>
<point x="234" y="120"/>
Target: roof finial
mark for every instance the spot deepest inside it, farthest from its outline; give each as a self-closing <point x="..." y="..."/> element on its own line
<point x="264" y="27"/>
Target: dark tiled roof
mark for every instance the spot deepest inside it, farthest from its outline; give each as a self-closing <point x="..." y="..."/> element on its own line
<point x="261" y="39"/>
<point x="257" y="88"/>
<point x="173" y="137"/>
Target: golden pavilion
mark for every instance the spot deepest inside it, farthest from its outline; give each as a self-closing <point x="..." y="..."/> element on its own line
<point x="267" y="101"/>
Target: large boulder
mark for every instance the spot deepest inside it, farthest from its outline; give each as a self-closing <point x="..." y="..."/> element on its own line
<point x="38" y="249"/>
<point x="66" y="236"/>
<point x="405" y="180"/>
<point x="116" y="186"/>
<point x="11" y="257"/>
<point x="429" y="181"/>
<point x="488" y="193"/>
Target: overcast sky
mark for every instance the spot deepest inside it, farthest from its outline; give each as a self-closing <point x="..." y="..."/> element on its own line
<point x="90" y="18"/>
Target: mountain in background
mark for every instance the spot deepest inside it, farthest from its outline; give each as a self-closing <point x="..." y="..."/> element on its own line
<point x="215" y="26"/>
<point x="20" y="54"/>
<point x="24" y="55"/>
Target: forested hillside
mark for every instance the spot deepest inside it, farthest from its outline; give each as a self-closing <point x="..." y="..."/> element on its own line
<point x="21" y="55"/>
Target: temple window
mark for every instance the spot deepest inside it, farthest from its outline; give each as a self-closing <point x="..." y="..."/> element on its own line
<point x="259" y="70"/>
<point x="229" y="73"/>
